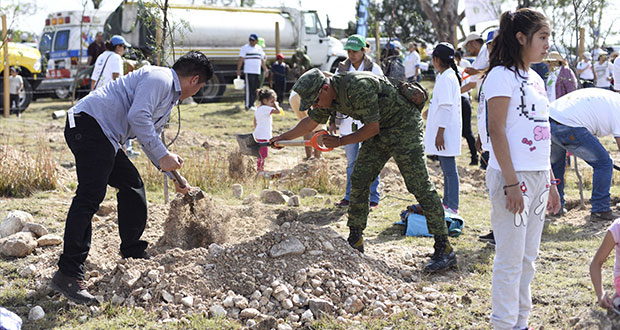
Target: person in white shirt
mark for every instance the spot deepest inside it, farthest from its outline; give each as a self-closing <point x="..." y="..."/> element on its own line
<point x="602" y="69"/>
<point x="252" y="58"/>
<point x="109" y="65"/>
<point x="585" y="71"/>
<point x="466" y="132"/>
<point x="442" y="136"/>
<point x="16" y="85"/>
<point x="616" y="74"/>
<point x="412" y="63"/>
<point x="263" y="122"/>
<point x="519" y="178"/>
<point x="577" y="119"/>
<point x="357" y="60"/>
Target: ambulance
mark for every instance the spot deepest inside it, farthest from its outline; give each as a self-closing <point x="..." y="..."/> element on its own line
<point x="64" y="44"/>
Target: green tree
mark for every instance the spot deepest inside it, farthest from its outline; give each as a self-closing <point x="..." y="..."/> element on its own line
<point x="444" y="16"/>
<point x="401" y="19"/>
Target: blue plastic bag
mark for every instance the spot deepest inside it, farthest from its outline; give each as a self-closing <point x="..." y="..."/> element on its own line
<point x="9" y="320"/>
<point x="416" y="224"/>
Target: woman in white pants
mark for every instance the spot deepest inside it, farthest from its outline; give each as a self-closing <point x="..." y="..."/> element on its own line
<point x="519" y="177"/>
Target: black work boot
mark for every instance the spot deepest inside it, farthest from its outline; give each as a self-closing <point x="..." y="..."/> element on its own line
<point x="356" y="239"/>
<point x="444" y="256"/>
<point x="72" y="288"/>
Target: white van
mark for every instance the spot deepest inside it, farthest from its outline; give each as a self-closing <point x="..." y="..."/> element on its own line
<point x="64" y="43"/>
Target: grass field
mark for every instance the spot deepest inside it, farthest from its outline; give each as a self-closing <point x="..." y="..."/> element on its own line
<point x="561" y="288"/>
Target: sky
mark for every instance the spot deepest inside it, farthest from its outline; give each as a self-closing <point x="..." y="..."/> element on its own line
<point x="340" y="11"/>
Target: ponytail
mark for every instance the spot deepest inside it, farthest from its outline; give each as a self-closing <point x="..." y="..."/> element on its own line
<point x="456" y="71"/>
<point x="108" y="46"/>
<point x="507" y="51"/>
<point x="449" y="63"/>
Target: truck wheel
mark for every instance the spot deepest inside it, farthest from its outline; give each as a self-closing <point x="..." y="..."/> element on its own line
<point x="25" y="97"/>
<point x="61" y="93"/>
<point x="212" y="90"/>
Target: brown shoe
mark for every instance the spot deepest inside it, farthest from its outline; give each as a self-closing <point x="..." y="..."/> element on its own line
<point x="72" y="288"/>
<point x="601" y="216"/>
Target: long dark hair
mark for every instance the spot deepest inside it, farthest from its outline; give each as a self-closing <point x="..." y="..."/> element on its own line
<point x="449" y="63"/>
<point x="507" y="51"/>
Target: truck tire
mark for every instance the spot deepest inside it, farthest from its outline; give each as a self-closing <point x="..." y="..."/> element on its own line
<point x="212" y="90"/>
<point x="61" y="93"/>
<point x="25" y="97"/>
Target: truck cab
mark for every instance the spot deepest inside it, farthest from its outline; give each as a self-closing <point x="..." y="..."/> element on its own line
<point x="28" y="62"/>
<point x="64" y="44"/>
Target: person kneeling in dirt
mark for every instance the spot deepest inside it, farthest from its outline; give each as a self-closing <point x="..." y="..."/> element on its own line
<point x="392" y="128"/>
<point x="135" y="105"/>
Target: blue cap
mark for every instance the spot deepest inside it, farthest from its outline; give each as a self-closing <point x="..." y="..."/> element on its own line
<point x="253" y="36"/>
<point x="491" y="35"/>
<point x="119" y="40"/>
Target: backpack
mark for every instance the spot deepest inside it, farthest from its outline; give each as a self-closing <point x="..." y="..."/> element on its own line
<point x="394" y="68"/>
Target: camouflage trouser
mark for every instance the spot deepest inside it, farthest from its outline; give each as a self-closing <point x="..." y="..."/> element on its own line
<point x="405" y="145"/>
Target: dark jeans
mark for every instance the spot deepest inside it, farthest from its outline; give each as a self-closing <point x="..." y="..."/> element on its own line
<point x="279" y="86"/>
<point x="252" y="83"/>
<point x="466" y="132"/>
<point x="98" y="165"/>
<point x="14" y="103"/>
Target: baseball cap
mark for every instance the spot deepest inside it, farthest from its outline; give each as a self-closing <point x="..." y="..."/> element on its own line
<point x="280" y="56"/>
<point x="119" y="40"/>
<point x="308" y="87"/>
<point x="355" y="42"/>
<point x="444" y="50"/>
<point x="472" y="37"/>
<point x="587" y="55"/>
<point x="491" y="35"/>
<point x="253" y="36"/>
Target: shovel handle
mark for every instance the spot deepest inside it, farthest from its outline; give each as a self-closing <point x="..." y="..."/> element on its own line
<point x="178" y="178"/>
<point x="313" y="142"/>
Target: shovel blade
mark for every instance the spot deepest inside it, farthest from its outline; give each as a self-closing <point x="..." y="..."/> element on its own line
<point x="247" y="145"/>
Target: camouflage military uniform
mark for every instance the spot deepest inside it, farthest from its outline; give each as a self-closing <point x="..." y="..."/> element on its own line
<point x="301" y="62"/>
<point x="370" y="98"/>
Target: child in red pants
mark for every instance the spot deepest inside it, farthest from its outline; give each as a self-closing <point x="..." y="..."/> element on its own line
<point x="263" y="122"/>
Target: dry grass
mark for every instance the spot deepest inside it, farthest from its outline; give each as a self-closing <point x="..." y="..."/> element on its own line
<point x="22" y="172"/>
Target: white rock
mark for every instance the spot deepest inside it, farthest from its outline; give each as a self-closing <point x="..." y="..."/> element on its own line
<point x="307" y="192"/>
<point x="250" y="199"/>
<point x="130" y="277"/>
<point x="328" y="246"/>
<point x="217" y="311"/>
<point x="290" y="246"/>
<point x="28" y="270"/>
<point x="35" y="228"/>
<point x="147" y="296"/>
<point x="378" y="312"/>
<point x="14" y="222"/>
<point x="241" y="302"/>
<point x="250" y="323"/>
<point x="19" y="244"/>
<point x="117" y="300"/>
<point x="237" y="190"/>
<point x="287" y="304"/>
<point x="307" y="316"/>
<point x="36" y="313"/>
<point x="249" y="313"/>
<point x="228" y="302"/>
<point x="216" y="249"/>
<point x="272" y="197"/>
<point x="256" y="295"/>
<point x="284" y="326"/>
<point x="188" y="301"/>
<point x="353" y="305"/>
<point x="294" y="201"/>
<point x="167" y="297"/>
<point x="49" y="239"/>
<point x="153" y="274"/>
<point x="281" y="292"/>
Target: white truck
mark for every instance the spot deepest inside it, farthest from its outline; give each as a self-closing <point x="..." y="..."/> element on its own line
<point x="219" y="32"/>
<point x="64" y="45"/>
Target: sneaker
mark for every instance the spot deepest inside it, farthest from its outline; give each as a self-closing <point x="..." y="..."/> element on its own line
<point x="443" y="257"/>
<point x="474" y="161"/>
<point x="356" y="239"/>
<point x="343" y="203"/>
<point x="489" y="238"/>
<point x="601" y="216"/>
<point x="560" y="213"/>
<point x="374" y="205"/>
<point x="72" y="288"/>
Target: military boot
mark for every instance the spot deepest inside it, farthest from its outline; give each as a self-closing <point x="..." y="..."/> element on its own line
<point x="444" y="256"/>
<point x="73" y="288"/>
<point x="356" y="239"/>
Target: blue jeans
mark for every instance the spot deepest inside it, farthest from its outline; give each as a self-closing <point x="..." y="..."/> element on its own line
<point x="586" y="146"/>
<point x="351" y="151"/>
<point x="450" y="182"/>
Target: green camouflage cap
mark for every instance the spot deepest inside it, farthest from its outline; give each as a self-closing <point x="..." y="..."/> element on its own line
<point x="308" y="87"/>
<point x="355" y="42"/>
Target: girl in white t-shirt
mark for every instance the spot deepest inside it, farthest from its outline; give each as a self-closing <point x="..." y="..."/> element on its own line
<point x="519" y="177"/>
<point x="109" y="65"/>
<point x="443" y="126"/>
<point x="610" y="242"/>
<point x="263" y="121"/>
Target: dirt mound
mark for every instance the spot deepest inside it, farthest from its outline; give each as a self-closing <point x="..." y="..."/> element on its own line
<point x="194" y="226"/>
<point x="294" y="273"/>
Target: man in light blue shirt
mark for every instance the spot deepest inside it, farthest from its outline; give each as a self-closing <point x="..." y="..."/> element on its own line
<point x="134" y="106"/>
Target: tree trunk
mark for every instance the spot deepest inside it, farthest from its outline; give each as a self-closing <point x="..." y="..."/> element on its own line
<point x="444" y="19"/>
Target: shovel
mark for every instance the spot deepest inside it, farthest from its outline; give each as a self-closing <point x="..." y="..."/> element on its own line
<point x="191" y="196"/>
<point x="249" y="146"/>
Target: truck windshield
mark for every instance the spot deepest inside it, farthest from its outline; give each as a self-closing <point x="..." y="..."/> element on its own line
<point x="313" y="25"/>
<point x="45" y="45"/>
<point x="62" y="40"/>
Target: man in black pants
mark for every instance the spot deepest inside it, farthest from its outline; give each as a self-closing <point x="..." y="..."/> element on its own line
<point x="135" y="105"/>
<point x="252" y="58"/>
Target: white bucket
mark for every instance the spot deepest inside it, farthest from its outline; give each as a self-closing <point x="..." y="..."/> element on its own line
<point x="239" y="83"/>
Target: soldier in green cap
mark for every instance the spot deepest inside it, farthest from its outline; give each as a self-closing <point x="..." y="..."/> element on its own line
<point x="301" y="62"/>
<point x="393" y="127"/>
